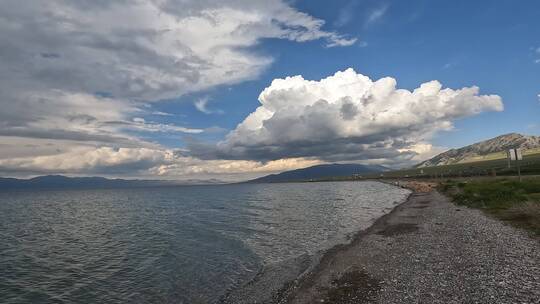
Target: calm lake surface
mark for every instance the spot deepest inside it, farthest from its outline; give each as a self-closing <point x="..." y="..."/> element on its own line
<point x="171" y="244"/>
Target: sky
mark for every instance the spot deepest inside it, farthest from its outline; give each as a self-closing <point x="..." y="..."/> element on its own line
<point x="236" y="89"/>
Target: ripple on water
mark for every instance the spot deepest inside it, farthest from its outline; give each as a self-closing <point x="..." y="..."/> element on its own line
<point x="178" y="244"/>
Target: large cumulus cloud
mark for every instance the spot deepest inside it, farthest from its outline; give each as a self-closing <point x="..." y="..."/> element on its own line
<point x="347" y="116"/>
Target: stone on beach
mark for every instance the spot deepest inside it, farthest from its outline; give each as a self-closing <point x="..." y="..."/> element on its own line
<point x="429" y="251"/>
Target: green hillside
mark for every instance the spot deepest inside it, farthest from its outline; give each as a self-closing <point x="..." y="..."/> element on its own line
<point x="530" y="165"/>
<point x="498" y="155"/>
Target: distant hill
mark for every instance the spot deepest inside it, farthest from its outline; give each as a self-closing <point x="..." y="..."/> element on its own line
<point x="320" y="172"/>
<point x="485" y="150"/>
<point x="64" y="182"/>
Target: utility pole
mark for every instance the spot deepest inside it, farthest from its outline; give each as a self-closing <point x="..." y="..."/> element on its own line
<point x="519" y="170"/>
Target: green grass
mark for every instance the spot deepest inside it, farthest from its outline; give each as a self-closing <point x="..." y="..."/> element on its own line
<point x="530" y="165"/>
<point x="507" y="199"/>
<point x="498" y="155"/>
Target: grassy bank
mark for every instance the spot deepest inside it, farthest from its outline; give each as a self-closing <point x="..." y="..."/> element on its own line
<point x="486" y="167"/>
<point x="507" y="199"/>
<point x="473" y="169"/>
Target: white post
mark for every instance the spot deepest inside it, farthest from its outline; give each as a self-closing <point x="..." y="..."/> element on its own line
<point x="519" y="157"/>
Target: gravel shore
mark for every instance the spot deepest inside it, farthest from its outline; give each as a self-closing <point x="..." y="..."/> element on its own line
<point x="428" y="250"/>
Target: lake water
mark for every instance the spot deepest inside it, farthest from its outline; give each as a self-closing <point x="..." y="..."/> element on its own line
<point x="171" y="244"/>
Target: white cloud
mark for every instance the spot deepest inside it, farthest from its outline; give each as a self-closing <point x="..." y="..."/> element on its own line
<point x="141" y="50"/>
<point x="141" y="124"/>
<point x="58" y="115"/>
<point x="147" y="50"/>
<point x="159" y="113"/>
<point x="89" y="160"/>
<point x="536" y="52"/>
<point x="376" y="14"/>
<point x="423" y="151"/>
<point x="341" y="42"/>
<point x="144" y="162"/>
<point x="347" y="116"/>
<point x="201" y="105"/>
<point x="75" y="74"/>
<point x="233" y="170"/>
<point x="448" y="65"/>
<point x="346" y="14"/>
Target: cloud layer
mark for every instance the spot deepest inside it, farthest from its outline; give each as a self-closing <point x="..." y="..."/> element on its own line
<point x="347" y="116"/>
<point x="146" y="50"/>
<point x="79" y="78"/>
<point x="81" y="75"/>
<point x="143" y="162"/>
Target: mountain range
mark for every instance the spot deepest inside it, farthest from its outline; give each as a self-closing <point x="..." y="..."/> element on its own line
<point x="64" y="182"/>
<point x="492" y="148"/>
<point x="320" y="172"/>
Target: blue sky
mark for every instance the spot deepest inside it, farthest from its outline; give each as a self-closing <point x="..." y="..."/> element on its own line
<point x="173" y="93"/>
<point x="460" y="43"/>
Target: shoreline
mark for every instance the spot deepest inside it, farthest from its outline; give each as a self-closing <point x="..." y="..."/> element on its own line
<point x="308" y="279"/>
<point x="426" y="250"/>
<point x="303" y="271"/>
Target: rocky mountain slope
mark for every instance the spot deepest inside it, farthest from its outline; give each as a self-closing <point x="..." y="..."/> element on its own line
<point x="494" y="145"/>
